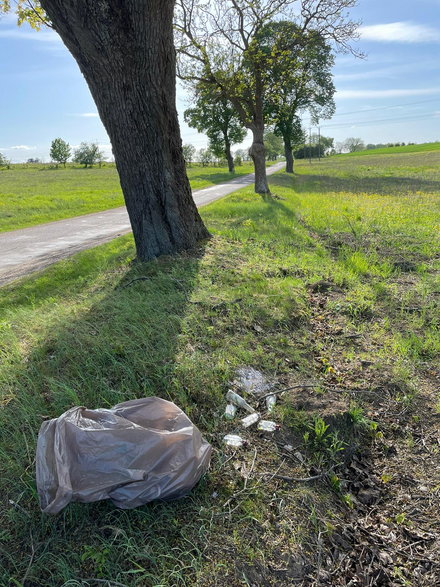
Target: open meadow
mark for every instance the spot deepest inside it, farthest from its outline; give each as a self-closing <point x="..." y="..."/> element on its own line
<point x="36" y="193"/>
<point x="331" y="288"/>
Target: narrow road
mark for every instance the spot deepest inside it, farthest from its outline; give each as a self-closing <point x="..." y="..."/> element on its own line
<point x="31" y="249"/>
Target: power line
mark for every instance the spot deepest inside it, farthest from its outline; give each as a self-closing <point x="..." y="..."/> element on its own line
<point x="387" y="107"/>
<point x="387" y="120"/>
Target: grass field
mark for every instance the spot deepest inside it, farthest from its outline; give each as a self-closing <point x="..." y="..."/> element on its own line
<point x="422" y="148"/>
<point x="33" y="194"/>
<point x="332" y="283"/>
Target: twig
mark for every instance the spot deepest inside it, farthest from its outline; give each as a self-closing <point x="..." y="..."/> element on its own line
<point x="19" y="507"/>
<point x="31" y="560"/>
<point x="251" y="469"/>
<point x="296" y="479"/>
<point x="277" y="392"/>
<point x="359" y="390"/>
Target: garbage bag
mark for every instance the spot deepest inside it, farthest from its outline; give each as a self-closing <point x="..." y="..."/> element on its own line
<point x="136" y="452"/>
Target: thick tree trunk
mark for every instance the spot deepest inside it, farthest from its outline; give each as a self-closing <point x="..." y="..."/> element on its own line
<point x="258" y="154"/>
<point x="125" y="51"/>
<point x="288" y="154"/>
<point x="229" y="157"/>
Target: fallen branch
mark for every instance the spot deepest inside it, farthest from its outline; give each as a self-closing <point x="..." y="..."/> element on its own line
<point x="296" y="479"/>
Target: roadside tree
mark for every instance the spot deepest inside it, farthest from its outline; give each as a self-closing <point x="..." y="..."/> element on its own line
<point x="125" y="51"/>
<point x="217" y="118"/>
<point x="60" y="151"/>
<point x="302" y="74"/>
<point x="219" y="47"/>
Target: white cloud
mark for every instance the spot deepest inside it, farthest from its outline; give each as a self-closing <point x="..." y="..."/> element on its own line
<point x="18" y="148"/>
<point x="399" y="32"/>
<point x="397" y="93"/>
<point x="87" y="115"/>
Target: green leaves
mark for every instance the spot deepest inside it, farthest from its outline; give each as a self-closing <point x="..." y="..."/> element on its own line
<point x="26" y="11"/>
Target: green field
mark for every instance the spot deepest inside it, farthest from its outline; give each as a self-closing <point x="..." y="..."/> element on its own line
<point x="422" y="148"/>
<point x="33" y="194"/>
<point x="334" y="282"/>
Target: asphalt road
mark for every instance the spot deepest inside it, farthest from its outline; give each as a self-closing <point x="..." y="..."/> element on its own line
<point x="31" y="249"/>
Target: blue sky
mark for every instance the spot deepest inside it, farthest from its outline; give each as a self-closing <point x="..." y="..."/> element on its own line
<point x="392" y="95"/>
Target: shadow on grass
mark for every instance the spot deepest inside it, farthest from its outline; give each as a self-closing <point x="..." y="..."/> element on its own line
<point x="386" y="185"/>
<point x="124" y="346"/>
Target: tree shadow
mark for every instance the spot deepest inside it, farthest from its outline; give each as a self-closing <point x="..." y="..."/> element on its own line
<point x="122" y="347"/>
<point x="381" y="185"/>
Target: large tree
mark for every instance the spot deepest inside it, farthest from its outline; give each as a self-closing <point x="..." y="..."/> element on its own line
<point x="215" y="116"/>
<point x="219" y="46"/>
<point x="126" y="53"/>
<point x="303" y="77"/>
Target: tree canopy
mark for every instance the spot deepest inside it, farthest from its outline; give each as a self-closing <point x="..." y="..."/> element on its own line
<point x="217" y="118"/>
<point x="219" y="45"/>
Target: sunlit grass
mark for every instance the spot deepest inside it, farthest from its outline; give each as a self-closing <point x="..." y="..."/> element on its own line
<point x="81" y="333"/>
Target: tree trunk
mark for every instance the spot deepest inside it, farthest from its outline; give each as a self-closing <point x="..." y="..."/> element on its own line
<point x="288" y="154"/>
<point x="125" y="51"/>
<point x="229" y="157"/>
<point x="258" y="154"/>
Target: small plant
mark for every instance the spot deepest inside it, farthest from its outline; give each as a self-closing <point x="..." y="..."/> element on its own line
<point x="320" y="428"/>
<point x="325" y="445"/>
<point x="347" y="498"/>
<point x="97" y="556"/>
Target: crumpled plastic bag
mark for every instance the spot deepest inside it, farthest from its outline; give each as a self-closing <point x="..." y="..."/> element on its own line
<point x="136" y="452"/>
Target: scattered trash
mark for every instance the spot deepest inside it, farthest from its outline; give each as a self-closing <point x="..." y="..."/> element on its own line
<point x="230" y="411"/>
<point x="271" y="400"/>
<point x="299" y="456"/>
<point x="237" y="400"/>
<point x="233" y="440"/>
<point x="252" y="381"/>
<point x="136" y="452"/>
<point x="288" y="447"/>
<point x="267" y="426"/>
<point x="249" y="420"/>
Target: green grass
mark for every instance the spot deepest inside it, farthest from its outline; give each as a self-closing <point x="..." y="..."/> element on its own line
<point x="34" y="194"/>
<point x="73" y="335"/>
<point x="422" y="148"/>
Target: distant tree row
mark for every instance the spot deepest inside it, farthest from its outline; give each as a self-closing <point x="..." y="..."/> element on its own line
<point x="384" y="145"/>
<point x="209" y="157"/>
<point x="87" y="154"/>
<point x="353" y="144"/>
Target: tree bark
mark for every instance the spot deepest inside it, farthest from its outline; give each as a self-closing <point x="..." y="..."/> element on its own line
<point x="125" y="50"/>
<point x="288" y="154"/>
<point x="229" y="157"/>
<point x="258" y="154"/>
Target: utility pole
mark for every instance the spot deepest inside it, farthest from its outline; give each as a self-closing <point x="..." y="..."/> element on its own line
<point x="319" y="143"/>
<point x="310" y="145"/>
